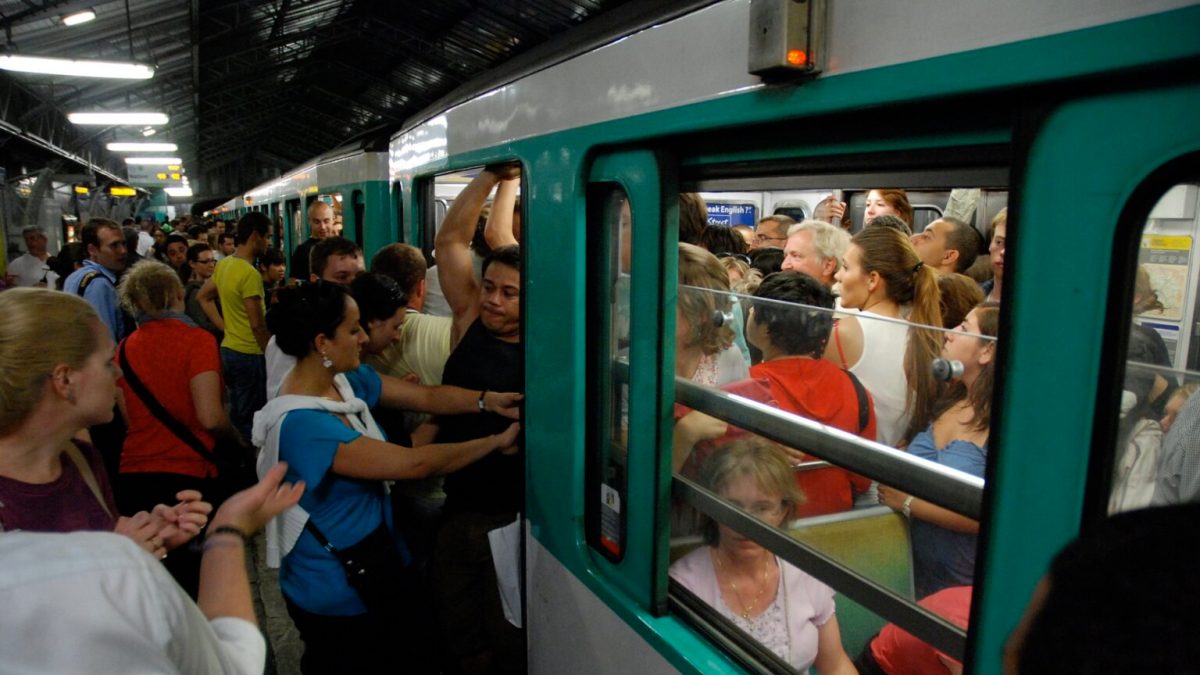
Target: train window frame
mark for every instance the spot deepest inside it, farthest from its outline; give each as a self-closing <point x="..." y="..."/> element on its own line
<point x="1126" y="245"/>
<point x="959" y="166"/>
<point x="397" y="197"/>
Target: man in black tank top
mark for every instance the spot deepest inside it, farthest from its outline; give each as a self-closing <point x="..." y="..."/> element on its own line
<point x="486" y="355"/>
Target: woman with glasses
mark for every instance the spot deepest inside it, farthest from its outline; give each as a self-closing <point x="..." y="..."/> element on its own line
<point x="203" y="260"/>
<point x="780" y="606"/>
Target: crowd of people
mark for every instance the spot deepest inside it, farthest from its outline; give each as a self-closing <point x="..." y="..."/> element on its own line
<point x="368" y="419"/>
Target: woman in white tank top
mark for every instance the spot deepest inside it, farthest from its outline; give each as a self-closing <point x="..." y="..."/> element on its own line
<point x="882" y="277"/>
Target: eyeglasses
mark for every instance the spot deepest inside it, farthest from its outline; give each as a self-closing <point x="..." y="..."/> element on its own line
<point x="763" y="237"/>
<point x="206" y="261"/>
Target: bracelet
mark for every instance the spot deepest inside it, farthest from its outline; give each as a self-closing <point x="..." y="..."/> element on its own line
<point x="228" y="529"/>
<point x="220" y="543"/>
<point x="482" y="405"/>
<point x="906" y="509"/>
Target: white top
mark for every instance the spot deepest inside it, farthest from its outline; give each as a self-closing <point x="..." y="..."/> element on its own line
<point x="29" y="271"/>
<point x="278" y="366"/>
<point x="881" y="371"/>
<point x="145" y="242"/>
<point x="93" y="602"/>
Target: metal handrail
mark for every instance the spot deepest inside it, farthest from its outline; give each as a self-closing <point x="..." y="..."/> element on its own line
<point x="955" y="490"/>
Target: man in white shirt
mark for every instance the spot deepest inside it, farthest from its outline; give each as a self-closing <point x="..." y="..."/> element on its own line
<point x="31" y="268"/>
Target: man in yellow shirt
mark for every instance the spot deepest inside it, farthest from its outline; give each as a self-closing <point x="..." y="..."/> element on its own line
<point x="239" y="285"/>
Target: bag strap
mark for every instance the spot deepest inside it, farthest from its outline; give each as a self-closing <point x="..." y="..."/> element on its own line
<point x="316" y="533"/>
<point x="85" y="471"/>
<point x="864" y="402"/>
<point x="175" y="426"/>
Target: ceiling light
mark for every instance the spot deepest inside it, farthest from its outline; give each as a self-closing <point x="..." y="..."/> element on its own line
<point x="142" y="147"/>
<point x="149" y="131"/>
<point x="111" y="118"/>
<point x="78" y="17"/>
<point x="156" y="161"/>
<point x="183" y="191"/>
<point x="76" y="68"/>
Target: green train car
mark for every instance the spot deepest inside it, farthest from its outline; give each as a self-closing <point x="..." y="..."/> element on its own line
<point x="1081" y="120"/>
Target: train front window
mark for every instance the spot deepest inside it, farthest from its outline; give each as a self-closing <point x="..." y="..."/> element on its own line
<point x="832" y="419"/>
<point x="1152" y="459"/>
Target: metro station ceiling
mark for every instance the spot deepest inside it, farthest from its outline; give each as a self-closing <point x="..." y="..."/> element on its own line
<point x="254" y="87"/>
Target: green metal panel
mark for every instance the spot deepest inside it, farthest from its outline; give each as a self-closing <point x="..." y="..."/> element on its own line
<point x="1087" y="160"/>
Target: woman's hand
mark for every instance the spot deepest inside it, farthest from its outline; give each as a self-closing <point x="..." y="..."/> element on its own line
<point x="506" y="442"/>
<point x="503" y="403"/>
<point x="183" y="521"/>
<point x="892" y="498"/>
<point x="253" y="507"/>
<point x="143" y="529"/>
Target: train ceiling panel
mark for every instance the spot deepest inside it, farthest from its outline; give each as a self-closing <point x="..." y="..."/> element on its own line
<point x="253" y="87"/>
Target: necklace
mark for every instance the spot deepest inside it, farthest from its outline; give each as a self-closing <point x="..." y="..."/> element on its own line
<point x="747" y="608"/>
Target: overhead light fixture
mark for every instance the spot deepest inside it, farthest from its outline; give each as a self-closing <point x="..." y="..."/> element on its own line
<point x="155" y="161"/>
<point x="181" y="191"/>
<point x="142" y="147"/>
<point x="116" y="119"/>
<point x="149" y="131"/>
<point x="76" y="68"/>
<point x="117" y="191"/>
<point x="78" y="17"/>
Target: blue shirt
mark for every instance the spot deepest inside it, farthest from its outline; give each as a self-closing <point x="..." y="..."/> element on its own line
<point x="344" y="509"/>
<point x="941" y="557"/>
<point x="100" y="293"/>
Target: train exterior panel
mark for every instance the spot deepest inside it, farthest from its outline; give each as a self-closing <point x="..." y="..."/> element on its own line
<point x="1072" y="118"/>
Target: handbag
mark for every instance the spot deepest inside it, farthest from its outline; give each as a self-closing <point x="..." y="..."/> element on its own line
<point x="373" y="567"/>
<point x="234" y="460"/>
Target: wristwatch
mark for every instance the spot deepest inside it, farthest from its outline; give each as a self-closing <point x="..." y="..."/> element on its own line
<point x="906" y="509"/>
<point x="482" y="405"/>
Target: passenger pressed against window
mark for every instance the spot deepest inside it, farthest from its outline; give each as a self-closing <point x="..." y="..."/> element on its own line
<point x="1156" y="460"/>
<point x="847" y="331"/>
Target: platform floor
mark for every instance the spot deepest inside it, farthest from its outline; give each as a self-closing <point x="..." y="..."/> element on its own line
<point x="284" y="647"/>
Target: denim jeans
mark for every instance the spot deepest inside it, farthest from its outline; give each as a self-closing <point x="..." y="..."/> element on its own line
<point x="246" y="381"/>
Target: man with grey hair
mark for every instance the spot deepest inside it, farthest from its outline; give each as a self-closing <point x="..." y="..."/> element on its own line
<point x="32" y="268"/>
<point x="815" y="248"/>
<point x="771" y="231"/>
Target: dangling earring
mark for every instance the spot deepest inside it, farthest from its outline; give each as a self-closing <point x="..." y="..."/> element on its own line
<point x="325" y="360"/>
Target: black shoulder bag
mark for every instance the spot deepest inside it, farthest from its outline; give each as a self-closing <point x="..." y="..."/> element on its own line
<point x="373" y="568"/>
<point x="233" y="460"/>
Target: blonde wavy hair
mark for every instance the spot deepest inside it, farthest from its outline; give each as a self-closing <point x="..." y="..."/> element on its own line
<point x="149" y="288"/>
<point x="701" y="270"/>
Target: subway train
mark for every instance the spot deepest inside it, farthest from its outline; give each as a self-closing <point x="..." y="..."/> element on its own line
<point x="1080" y="121"/>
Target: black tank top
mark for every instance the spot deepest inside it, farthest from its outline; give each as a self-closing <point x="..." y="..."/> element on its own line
<point x="496" y="483"/>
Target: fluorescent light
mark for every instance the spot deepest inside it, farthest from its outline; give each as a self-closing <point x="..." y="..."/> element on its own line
<point x="112" y="119"/>
<point x="142" y="147"/>
<point x="149" y="131"/>
<point x="183" y="191"/>
<point x="78" y="18"/>
<point x="76" y="68"/>
<point x="155" y="161"/>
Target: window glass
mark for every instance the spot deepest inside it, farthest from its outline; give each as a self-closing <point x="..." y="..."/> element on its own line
<point x="874" y="345"/>
<point x="610" y="222"/>
<point x="1155" y="459"/>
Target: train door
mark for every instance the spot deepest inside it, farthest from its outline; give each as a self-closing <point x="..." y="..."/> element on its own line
<point x="357" y="210"/>
<point x="604" y="586"/>
<point x="296" y="225"/>
<point x="398" y="212"/>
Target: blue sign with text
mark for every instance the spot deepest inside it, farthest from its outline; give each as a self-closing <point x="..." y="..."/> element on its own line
<point x="730" y="215"/>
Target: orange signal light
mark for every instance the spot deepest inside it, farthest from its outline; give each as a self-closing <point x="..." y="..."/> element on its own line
<point x="797" y="57"/>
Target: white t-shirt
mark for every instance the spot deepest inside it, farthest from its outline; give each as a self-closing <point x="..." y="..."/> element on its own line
<point x="29" y="271"/>
<point x="93" y="602"/>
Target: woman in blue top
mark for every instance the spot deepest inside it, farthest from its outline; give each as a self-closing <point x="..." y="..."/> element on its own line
<point x="321" y="425"/>
<point x="943" y="542"/>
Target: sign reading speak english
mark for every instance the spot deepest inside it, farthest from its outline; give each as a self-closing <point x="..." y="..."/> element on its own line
<point x="729" y="215"/>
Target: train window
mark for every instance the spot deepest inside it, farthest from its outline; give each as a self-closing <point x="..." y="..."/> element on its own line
<point x="446" y="188"/>
<point x="609" y="225"/>
<point x="833" y="407"/>
<point x="1154" y="458"/>
<point x="359" y="206"/>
